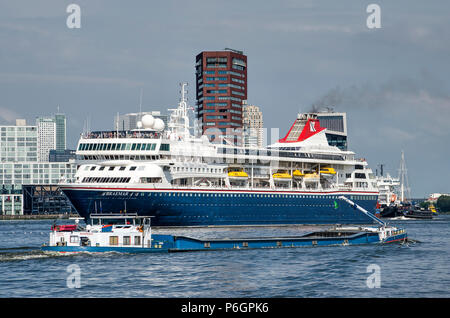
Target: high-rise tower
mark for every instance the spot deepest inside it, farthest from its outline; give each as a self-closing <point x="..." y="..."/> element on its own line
<point x="221" y="82"/>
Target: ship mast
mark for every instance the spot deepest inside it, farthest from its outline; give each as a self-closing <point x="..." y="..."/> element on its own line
<point x="403" y="176"/>
<point x="179" y="120"/>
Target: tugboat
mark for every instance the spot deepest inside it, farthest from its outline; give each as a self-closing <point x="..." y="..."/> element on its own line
<point x="131" y="233"/>
<point x="417" y="212"/>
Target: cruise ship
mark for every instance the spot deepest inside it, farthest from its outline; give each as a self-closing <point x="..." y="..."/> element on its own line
<point x="180" y="179"/>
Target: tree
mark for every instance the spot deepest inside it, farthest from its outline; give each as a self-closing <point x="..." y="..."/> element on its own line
<point x="443" y="203"/>
<point x="424" y="204"/>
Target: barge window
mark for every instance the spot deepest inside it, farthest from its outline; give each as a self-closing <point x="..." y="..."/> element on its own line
<point x="113" y="240"/>
<point x="74" y="239"/>
<point x="132" y="168"/>
<point x="137" y="240"/>
<point x="126" y="240"/>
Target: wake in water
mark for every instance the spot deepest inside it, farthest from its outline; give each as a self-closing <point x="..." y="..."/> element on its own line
<point x="21" y="253"/>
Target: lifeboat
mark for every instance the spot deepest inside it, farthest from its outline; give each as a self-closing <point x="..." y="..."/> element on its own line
<point x="311" y="177"/>
<point x="237" y="174"/>
<point x="327" y="170"/>
<point x="282" y="176"/>
<point x="298" y="174"/>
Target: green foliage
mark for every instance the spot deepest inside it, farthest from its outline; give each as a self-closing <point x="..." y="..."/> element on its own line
<point x="443" y="203"/>
<point x="424" y="204"/>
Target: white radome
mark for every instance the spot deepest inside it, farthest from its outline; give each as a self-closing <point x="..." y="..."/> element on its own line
<point x="148" y="121"/>
<point x="159" y="124"/>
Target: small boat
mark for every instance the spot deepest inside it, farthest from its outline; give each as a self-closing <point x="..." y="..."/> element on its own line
<point x="130" y="233"/>
<point x="282" y="176"/>
<point x="415" y="212"/>
<point x="298" y="174"/>
<point x="327" y="170"/>
<point x="311" y="177"/>
<point x="237" y="173"/>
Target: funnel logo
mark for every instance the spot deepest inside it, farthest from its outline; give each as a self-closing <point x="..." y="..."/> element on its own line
<point x="311" y="126"/>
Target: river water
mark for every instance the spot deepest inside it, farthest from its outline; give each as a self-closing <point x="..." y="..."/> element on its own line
<point x="420" y="269"/>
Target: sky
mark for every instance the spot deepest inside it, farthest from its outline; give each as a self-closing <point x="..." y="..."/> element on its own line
<point x="393" y="82"/>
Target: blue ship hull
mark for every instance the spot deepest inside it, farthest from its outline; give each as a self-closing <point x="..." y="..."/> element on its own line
<point x="171" y="207"/>
<point x="169" y="243"/>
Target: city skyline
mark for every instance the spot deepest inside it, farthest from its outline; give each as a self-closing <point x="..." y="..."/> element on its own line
<point x="391" y="81"/>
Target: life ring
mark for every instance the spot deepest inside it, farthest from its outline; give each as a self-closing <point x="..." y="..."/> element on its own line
<point x="393" y="197"/>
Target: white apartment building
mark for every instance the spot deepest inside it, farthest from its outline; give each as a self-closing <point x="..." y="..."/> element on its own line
<point x="46" y="137"/>
<point x="252" y="120"/>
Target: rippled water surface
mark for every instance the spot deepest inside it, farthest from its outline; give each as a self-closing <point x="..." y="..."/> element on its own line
<point x="413" y="270"/>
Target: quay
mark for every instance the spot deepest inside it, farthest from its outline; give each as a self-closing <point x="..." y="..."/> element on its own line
<point x="38" y="216"/>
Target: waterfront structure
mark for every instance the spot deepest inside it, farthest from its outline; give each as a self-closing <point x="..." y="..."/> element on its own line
<point x="183" y="180"/>
<point x="131" y="121"/>
<point x="19" y="160"/>
<point x="62" y="156"/>
<point x="336" y="125"/>
<point x="252" y="126"/>
<point x="14" y="175"/>
<point x="18" y="142"/>
<point x="11" y="201"/>
<point x="44" y="199"/>
<point x="221" y="88"/>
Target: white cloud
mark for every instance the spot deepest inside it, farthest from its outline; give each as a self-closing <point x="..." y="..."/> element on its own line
<point x="8" y="115"/>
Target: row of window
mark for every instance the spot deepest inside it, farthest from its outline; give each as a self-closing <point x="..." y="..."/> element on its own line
<point x="220" y="72"/>
<point x="126" y="240"/>
<point x="112" y="168"/>
<point x="217" y="91"/>
<point x="216" y="78"/>
<point x="237" y="93"/>
<point x="121" y="146"/>
<point x="106" y="180"/>
<point x="251" y="152"/>
<point x="118" y="157"/>
<point x="247" y="195"/>
<point x="217" y="104"/>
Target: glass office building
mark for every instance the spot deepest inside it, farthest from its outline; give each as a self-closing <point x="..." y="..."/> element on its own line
<point x="18" y="143"/>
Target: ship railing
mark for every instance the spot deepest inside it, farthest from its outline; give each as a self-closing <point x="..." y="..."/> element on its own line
<point x="243" y="187"/>
<point x="121" y="134"/>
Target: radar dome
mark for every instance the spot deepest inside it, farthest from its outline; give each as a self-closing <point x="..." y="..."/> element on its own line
<point x="148" y="121"/>
<point x="159" y="124"/>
